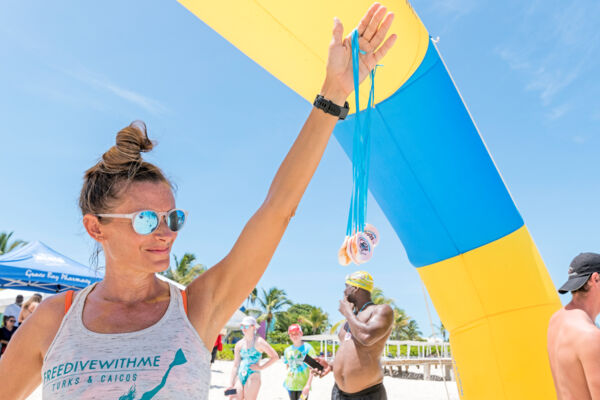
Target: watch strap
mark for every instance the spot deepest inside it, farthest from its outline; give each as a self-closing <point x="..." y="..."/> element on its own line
<point x="331" y="108"/>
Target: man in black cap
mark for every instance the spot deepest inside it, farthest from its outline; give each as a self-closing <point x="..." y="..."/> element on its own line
<point x="573" y="338"/>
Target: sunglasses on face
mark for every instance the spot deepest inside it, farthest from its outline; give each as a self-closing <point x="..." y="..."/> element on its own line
<point x="246" y="326"/>
<point x="147" y="221"/>
<point x="11" y="320"/>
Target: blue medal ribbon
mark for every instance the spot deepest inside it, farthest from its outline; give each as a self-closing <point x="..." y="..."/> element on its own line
<point x="361" y="148"/>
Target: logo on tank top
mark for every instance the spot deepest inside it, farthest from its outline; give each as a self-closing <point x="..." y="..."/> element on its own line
<point x="113" y="371"/>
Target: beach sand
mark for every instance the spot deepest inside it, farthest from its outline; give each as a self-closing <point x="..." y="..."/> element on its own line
<point x="272" y="385"/>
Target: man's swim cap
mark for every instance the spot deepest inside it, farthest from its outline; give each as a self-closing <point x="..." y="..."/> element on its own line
<point x="360" y="279"/>
<point x="580" y="270"/>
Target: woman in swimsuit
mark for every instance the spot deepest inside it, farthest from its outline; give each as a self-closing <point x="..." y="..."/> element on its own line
<point x="132" y="335"/>
<point x="245" y="375"/>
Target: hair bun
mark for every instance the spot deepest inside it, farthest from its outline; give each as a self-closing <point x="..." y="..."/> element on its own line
<point x="131" y="142"/>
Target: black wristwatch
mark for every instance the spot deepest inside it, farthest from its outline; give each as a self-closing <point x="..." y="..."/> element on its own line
<point x="331" y="108"/>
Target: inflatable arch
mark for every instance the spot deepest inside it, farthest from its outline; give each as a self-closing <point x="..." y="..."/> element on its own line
<point x="434" y="180"/>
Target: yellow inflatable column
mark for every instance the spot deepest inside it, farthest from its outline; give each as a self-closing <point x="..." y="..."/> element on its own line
<point x="496" y="301"/>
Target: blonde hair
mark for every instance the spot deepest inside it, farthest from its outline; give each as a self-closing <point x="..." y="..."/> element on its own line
<point x="36" y="298"/>
<point x="120" y="166"/>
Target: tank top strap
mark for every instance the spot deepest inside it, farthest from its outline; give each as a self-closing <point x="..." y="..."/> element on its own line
<point x="68" y="300"/>
<point x="184" y="299"/>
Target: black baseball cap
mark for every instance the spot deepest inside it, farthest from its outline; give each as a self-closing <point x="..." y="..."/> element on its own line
<point x="580" y="270"/>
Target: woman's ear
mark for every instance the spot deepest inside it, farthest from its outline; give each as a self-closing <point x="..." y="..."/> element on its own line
<point x="93" y="227"/>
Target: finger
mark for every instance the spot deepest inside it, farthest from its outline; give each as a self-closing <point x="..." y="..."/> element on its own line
<point x="385" y="47"/>
<point x="338" y="32"/>
<point x="382" y="31"/>
<point x="374" y="23"/>
<point x="364" y="22"/>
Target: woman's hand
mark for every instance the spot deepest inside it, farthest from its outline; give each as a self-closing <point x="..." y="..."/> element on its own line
<point x="339" y="80"/>
<point x="305" y="391"/>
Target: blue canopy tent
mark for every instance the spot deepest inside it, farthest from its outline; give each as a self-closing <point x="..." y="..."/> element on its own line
<point x="37" y="267"/>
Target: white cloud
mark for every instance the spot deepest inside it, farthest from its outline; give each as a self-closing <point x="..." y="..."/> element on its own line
<point x="553" y="46"/>
<point x="559" y="111"/>
<point x="579" y="139"/>
<point x="102" y="83"/>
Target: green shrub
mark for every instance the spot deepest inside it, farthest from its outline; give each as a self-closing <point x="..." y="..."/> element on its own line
<point x="227" y="353"/>
<point x="279" y="337"/>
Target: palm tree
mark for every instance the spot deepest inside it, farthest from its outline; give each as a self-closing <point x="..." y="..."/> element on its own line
<point x="443" y="331"/>
<point x="377" y="297"/>
<point x="252" y="297"/>
<point x="184" y="271"/>
<point x="270" y="302"/>
<point x="283" y="319"/>
<point x="317" y="320"/>
<point x="5" y="247"/>
<point x="412" y="330"/>
<point x="401" y="321"/>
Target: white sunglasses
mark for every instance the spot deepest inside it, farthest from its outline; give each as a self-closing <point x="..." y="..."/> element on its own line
<point x="147" y="221"/>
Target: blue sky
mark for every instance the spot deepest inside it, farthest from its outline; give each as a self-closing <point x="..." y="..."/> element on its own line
<point x="73" y="73"/>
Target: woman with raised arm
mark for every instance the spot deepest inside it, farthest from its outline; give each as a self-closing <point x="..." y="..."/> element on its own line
<point x="131" y="335"/>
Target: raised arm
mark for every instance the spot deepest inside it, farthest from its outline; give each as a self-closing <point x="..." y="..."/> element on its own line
<point x="215" y="295"/>
<point x="369" y="332"/>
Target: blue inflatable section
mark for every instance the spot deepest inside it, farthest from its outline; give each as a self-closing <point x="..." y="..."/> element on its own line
<point x="431" y="173"/>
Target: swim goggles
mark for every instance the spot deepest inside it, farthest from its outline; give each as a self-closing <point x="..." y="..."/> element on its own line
<point x="147" y="221"/>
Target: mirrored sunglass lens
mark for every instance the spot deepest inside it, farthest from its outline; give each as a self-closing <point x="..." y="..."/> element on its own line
<point x="145" y="222"/>
<point x="176" y="219"/>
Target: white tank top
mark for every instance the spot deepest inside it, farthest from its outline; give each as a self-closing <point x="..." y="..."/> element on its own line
<point x="167" y="360"/>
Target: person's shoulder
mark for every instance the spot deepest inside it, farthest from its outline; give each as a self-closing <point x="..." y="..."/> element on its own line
<point x="574" y="324"/>
<point x="287" y="351"/>
<point x="261" y="341"/>
<point x="51" y="308"/>
<point x="383" y="309"/>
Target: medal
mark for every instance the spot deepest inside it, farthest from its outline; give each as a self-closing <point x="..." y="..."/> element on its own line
<point x="361" y="238"/>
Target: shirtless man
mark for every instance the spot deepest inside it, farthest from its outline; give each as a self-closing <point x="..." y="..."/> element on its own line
<point x="573" y="339"/>
<point x="357" y="367"/>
